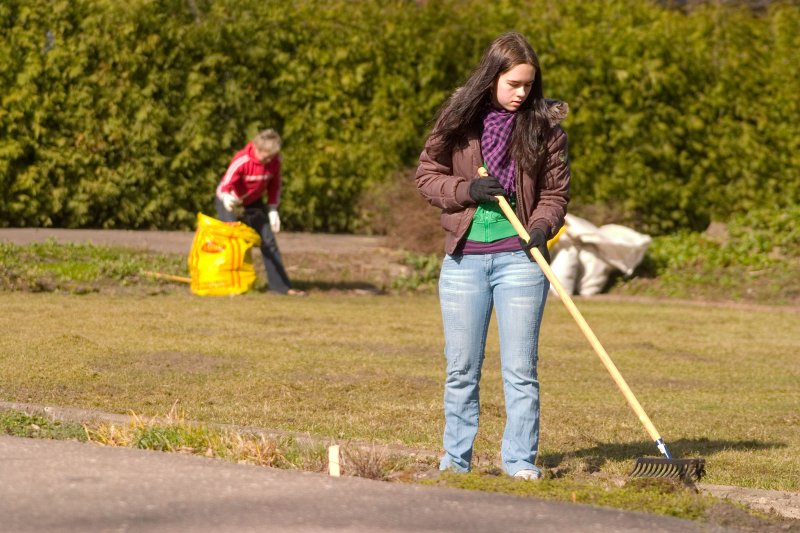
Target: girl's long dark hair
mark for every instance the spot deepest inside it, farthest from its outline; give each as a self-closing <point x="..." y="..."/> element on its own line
<point x="462" y="114"/>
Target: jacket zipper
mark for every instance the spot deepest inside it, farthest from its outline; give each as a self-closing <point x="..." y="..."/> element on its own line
<point x="518" y="194"/>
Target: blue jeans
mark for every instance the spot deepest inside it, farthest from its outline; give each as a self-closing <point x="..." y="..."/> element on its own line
<point x="469" y="287"/>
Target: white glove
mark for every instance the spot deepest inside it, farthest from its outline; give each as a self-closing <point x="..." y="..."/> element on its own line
<point x="231" y="202"/>
<point x="274" y="220"/>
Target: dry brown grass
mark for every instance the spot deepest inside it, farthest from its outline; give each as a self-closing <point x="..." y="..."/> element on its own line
<point x="718" y="382"/>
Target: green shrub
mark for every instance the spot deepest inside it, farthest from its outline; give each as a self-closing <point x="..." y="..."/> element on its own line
<point x="759" y="239"/>
<point x="422" y="273"/>
<point x="52" y="266"/>
<point x="754" y="258"/>
<point x="21" y="424"/>
<point x="125" y="115"/>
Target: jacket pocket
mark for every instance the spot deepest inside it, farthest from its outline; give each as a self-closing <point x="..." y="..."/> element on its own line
<point x="450" y="221"/>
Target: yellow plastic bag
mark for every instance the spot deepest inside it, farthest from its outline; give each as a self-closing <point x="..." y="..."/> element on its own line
<point x="552" y="242"/>
<point x="221" y="260"/>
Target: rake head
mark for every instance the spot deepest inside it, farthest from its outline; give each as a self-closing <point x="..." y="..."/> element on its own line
<point x="687" y="470"/>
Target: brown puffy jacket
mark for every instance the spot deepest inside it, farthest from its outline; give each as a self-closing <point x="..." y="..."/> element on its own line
<point x="542" y="195"/>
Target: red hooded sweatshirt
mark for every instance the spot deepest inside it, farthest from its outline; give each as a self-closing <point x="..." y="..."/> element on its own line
<point x="248" y="179"/>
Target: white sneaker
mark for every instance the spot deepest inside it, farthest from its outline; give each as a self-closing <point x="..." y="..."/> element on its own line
<point x="528" y="475"/>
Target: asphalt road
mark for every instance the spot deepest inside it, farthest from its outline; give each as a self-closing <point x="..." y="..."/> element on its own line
<point x="67" y="486"/>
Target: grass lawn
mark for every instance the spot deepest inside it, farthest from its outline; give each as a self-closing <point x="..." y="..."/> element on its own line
<point x="718" y="381"/>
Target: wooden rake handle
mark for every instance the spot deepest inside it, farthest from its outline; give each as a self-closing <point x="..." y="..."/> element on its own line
<point x="576" y="314"/>
<point x="170" y="277"/>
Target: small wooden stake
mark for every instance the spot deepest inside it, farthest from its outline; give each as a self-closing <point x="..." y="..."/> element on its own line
<point x="333" y="461"/>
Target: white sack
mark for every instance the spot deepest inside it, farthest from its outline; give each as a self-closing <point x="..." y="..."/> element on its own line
<point x="565" y="266"/>
<point x="600" y="251"/>
<point x="594" y="273"/>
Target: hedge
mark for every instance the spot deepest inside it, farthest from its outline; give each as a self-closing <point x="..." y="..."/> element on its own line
<point x="126" y="114"/>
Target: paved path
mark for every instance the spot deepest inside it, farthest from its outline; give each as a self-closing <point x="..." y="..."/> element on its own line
<point x="181" y="241"/>
<point x="66" y="486"/>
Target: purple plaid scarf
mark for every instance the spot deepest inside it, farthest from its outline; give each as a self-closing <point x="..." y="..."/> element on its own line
<point x="495" y="143"/>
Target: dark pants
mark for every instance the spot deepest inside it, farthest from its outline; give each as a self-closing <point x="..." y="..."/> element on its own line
<point x="255" y="216"/>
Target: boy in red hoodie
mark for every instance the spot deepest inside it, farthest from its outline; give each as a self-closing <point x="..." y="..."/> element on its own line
<point x="255" y="171"/>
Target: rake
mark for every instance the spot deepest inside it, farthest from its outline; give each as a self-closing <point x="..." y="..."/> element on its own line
<point x="687" y="470"/>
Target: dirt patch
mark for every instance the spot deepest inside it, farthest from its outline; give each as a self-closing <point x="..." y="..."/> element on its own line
<point x="371" y="270"/>
<point x="782" y="503"/>
<point x="332" y="262"/>
<point x="314" y="261"/>
<point x="180" y="242"/>
<point x="178" y="362"/>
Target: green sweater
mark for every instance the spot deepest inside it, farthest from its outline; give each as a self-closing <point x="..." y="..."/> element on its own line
<point x="489" y="224"/>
